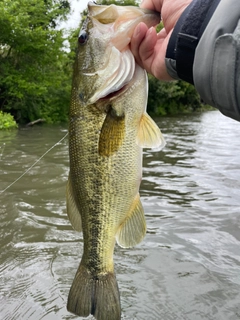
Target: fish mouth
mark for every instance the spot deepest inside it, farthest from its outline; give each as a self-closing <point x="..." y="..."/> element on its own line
<point x="114" y="94"/>
<point x="118" y="80"/>
<point x="112" y="67"/>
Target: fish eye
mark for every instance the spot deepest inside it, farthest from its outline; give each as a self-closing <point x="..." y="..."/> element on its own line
<point x="83" y="37"/>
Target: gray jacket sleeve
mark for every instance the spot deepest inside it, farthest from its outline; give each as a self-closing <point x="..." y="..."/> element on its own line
<point x="207" y="52"/>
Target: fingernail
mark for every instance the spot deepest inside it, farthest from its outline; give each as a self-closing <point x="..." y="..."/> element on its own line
<point x="150" y="30"/>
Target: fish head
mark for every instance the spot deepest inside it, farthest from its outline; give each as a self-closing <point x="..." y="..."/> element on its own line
<point x="104" y="63"/>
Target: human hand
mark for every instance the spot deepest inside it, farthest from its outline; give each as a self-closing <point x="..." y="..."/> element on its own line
<point x="148" y="47"/>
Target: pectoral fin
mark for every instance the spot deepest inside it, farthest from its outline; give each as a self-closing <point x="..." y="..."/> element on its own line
<point x="133" y="229"/>
<point x="72" y="210"/>
<point x="112" y="134"/>
<point x="149" y="134"/>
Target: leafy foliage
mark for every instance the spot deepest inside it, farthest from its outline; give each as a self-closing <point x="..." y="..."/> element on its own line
<point x="174" y="97"/>
<point x="33" y="65"/>
<point x="7" y="121"/>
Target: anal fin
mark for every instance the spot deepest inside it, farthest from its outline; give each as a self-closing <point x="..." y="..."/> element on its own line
<point x="72" y="210"/>
<point x="133" y="229"/>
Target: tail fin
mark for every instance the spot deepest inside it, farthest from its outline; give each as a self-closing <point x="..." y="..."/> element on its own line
<point x="96" y="295"/>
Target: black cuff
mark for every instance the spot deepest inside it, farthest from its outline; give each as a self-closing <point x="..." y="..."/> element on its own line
<point x="186" y="35"/>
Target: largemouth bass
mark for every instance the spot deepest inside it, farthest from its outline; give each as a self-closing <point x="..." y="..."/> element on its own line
<point x="109" y="127"/>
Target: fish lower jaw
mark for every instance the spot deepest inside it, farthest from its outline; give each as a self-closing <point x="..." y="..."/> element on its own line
<point x="114" y="94"/>
<point x="107" y="98"/>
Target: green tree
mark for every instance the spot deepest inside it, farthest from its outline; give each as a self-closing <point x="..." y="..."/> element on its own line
<point x="34" y="68"/>
<point x="174" y="97"/>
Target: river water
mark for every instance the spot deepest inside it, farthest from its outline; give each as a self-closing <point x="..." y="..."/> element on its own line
<point x="187" y="267"/>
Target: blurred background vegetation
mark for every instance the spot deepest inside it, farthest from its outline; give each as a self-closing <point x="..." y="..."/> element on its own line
<point x="36" y="58"/>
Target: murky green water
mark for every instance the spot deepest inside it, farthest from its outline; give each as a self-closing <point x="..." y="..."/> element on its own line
<point x="187" y="267"/>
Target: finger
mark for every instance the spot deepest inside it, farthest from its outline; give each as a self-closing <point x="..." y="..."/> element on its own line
<point x="137" y="38"/>
<point x="158" y="66"/>
<point x="162" y="34"/>
<point x="146" y="48"/>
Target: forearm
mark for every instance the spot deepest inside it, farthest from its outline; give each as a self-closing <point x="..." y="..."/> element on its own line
<point x="204" y="50"/>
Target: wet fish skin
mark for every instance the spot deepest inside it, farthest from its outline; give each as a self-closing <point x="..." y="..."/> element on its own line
<point x="108" y="129"/>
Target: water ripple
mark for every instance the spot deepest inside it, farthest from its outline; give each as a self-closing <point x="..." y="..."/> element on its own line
<point x="188" y="265"/>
